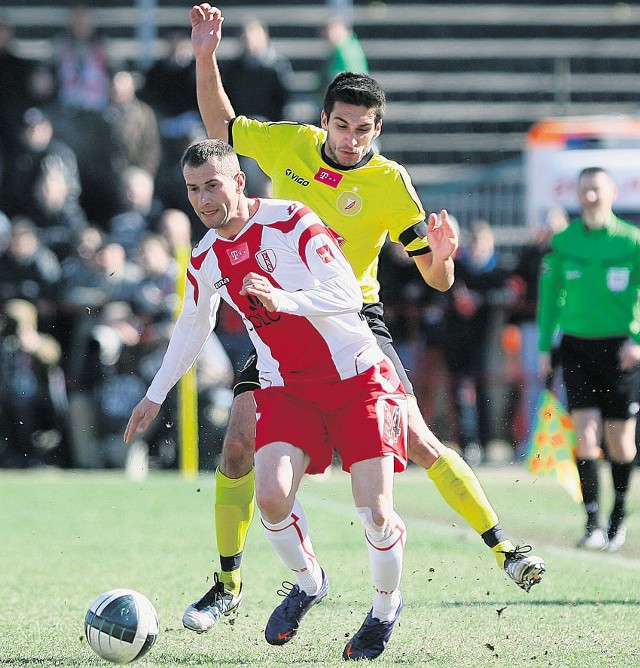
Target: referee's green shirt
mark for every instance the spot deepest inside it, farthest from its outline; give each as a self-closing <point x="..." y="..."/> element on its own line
<point x="589" y="283"/>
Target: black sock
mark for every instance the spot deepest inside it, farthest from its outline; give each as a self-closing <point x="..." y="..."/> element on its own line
<point x="620" y="474"/>
<point x="588" y="471"/>
<point x="493" y="536"/>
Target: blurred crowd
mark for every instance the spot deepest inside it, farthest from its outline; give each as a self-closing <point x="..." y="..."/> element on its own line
<point x="95" y="229"/>
<point x="95" y="226"/>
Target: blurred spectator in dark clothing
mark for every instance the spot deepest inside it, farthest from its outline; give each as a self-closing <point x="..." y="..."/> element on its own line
<point x="170" y="85"/>
<point x="156" y="299"/>
<point x="480" y="292"/>
<point x="116" y="278"/>
<point x="81" y="63"/>
<point x="524" y="315"/>
<point x="97" y="275"/>
<point x="106" y="386"/>
<point x="139" y="211"/>
<point x="81" y="269"/>
<point x="5" y="233"/>
<point x="133" y="126"/>
<point x="79" y="290"/>
<point x="403" y="293"/>
<point x="38" y="152"/>
<point x="14" y="96"/>
<point x="124" y="135"/>
<point x="258" y="80"/>
<point x="89" y="284"/>
<point x="32" y="392"/>
<point x="31" y="271"/>
<point x="258" y="84"/>
<point x="56" y="213"/>
<point x="42" y="88"/>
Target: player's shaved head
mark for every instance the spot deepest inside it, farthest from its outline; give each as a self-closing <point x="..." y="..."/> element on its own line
<point x="212" y="149"/>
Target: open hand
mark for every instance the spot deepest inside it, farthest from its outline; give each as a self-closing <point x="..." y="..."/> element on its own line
<point x="442" y="235"/>
<point x="206" y="29"/>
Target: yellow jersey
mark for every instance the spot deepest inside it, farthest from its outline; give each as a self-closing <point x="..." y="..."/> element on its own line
<point x="362" y="204"/>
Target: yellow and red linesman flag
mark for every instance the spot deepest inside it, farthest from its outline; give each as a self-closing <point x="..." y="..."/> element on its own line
<point x="552" y="446"/>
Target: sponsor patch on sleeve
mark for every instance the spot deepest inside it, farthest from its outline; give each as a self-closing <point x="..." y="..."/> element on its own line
<point x="325" y="254"/>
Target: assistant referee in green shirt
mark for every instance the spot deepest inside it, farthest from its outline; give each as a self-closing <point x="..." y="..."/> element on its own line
<point x="589" y="288"/>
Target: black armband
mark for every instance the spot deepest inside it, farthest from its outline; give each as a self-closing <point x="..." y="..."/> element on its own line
<point x="417" y="231"/>
<point x="420" y="251"/>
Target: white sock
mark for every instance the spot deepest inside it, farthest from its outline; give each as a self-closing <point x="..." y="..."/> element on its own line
<point x="290" y="539"/>
<point x="386" y="553"/>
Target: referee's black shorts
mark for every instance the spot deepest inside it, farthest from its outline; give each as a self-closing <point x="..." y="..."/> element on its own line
<point x="374" y="315"/>
<point x="593" y="378"/>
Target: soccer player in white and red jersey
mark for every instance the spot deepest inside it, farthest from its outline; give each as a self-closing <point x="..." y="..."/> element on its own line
<point x="365" y="198"/>
<point x="324" y="381"/>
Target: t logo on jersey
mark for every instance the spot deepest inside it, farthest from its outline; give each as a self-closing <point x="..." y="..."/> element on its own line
<point x="266" y="258"/>
<point x="238" y="253"/>
<point x="325" y="254"/>
<point x="329" y="178"/>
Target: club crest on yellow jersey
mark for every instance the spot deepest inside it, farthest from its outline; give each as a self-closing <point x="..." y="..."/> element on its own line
<point x="349" y="203"/>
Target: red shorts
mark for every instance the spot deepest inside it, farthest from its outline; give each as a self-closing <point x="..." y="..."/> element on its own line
<point x="361" y="418"/>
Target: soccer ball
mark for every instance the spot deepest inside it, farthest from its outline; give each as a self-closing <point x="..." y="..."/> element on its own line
<point x="121" y="625"/>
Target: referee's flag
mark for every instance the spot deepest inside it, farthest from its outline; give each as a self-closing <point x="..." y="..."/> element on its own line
<point x="552" y="446"/>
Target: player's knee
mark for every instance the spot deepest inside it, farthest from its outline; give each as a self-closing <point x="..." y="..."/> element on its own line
<point x="273" y="503"/>
<point x="423" y="447"/>
<point x="377" y="522"/>
<point x="236" y="459"/>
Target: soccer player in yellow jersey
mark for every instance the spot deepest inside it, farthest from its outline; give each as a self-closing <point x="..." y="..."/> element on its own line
<point x="364" y="197"/>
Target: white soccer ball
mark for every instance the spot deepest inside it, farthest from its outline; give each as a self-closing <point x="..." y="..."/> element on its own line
<point x="121" y="625"/>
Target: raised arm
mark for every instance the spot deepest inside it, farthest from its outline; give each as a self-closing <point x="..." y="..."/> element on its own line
<point x="213" y="103"/>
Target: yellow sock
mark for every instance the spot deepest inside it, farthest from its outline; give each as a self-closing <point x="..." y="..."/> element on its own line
<point x="499" y="550"/>
<point x="233" y="512"/>
<point x="461" y="489"/>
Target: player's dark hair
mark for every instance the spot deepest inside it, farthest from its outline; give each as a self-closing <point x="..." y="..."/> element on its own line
<point x="357" y="89"/>
<point x="592" y="171"/>
<point x="204" y="151"/>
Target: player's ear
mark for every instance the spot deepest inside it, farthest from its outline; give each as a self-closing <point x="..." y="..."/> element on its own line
<point x="324" y="121"/>
<point x="378" y="129"/>
<point x="241" y="179"/>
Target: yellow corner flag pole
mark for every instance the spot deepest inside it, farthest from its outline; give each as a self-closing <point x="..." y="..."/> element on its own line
<point x="187" y="390"/>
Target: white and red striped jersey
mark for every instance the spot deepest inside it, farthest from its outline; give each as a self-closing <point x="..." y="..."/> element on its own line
<point x="316" y="334"/>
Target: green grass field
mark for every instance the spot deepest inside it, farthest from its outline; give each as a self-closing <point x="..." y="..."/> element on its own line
<point x="69" y="536"/>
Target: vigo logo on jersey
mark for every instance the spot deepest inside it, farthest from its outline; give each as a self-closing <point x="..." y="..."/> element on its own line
<point x="238" y="253"/>
<point x="349" y="203"/>
<point x="266" y="258"/>
<point x="296" y="177"/>
<point x="259" y="317"/>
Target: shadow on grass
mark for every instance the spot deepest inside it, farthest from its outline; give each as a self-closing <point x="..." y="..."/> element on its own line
<point x="545" y="602"/>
